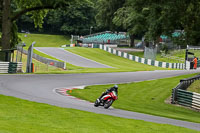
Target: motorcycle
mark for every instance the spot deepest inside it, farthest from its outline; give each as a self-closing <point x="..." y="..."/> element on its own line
<point x="106" y="100"/>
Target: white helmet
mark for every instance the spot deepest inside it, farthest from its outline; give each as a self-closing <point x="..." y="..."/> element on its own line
<point x="116" y="86"/>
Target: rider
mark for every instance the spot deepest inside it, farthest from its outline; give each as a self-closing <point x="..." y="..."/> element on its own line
<point x="114" y="88"/>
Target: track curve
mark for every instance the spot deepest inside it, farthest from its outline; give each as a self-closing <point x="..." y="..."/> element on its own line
<point x="40" y="88"/>
<point x="71" y="58"/>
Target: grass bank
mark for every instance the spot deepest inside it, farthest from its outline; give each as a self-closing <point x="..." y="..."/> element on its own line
<point x="44" y="40"/>
<point x="21" y="116"/>
<point x="118" y="63"/>
<point x="145" y="97"/>
<point x="195" y="87"/>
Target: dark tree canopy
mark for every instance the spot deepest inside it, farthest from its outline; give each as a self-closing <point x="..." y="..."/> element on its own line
<point x="153" y="18"/>
<point x="149" y="18"/>
<point x="75" y="19"/>
<point x="37" y="9"/>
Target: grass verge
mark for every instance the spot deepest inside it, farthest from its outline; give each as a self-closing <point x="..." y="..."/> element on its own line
<point x="145" y="97"/>
<point x="23" y="116"/>
<point x="119" y="63"/>
<point x="195" y="87"/>
<point x="44" y="40"/>
<point x="39" y="67"/>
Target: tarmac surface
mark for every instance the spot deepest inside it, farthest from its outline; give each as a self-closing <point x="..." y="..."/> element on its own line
<point x="41" y="88"/>
<point x="71" y="58"/>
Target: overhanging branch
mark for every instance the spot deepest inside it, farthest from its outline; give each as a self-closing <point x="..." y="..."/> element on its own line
<point x="31" y="9"/>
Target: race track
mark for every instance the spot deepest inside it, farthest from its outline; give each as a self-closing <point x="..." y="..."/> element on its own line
<point x="40" y="88"/>
<point x="71" y="58"/>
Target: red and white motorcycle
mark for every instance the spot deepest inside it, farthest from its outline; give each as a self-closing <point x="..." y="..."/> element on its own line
<point x="106" y="100"/>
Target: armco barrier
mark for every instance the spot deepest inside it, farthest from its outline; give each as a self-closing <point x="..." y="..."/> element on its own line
<point x="10" y="67"/>
<point x="48" y="61"/>
<point x="189" y="99"/>
<point x="142" y="60"/>
<point x="181" y="96"/>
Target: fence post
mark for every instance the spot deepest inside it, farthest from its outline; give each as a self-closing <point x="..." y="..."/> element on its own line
<point x="174" y="96"/>
<point x="64" y="65"/>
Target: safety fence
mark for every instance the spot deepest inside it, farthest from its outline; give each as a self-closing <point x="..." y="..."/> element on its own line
<point x="47" y="61"/>
<point x="142" y="60"/>
<point x="181" y="96"/>
<point x="10" y="67"/>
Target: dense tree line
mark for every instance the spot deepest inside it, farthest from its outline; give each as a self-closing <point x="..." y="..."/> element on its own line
<point x="75" y="19"/>
<point x="154" y="18"/>
<point x="149" y="18"/>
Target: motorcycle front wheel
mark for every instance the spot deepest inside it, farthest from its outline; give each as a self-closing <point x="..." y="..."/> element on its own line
<point x="108" y="103"/>
<point x="96" y="104"/>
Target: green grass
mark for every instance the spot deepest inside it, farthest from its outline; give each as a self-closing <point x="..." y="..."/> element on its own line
<point x="21" y="116"/>
<point x="120" y="64"/>
<point x="145" y="97"/>
<point x="195" y="87"/>
<point x="45" y="40"/>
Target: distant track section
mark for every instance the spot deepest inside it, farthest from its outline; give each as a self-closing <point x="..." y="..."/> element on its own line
<point x="71" y="57"/>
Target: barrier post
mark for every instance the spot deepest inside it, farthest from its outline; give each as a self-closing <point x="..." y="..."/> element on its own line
<point x="174" y="95"/>
<point x="32" y="68"/>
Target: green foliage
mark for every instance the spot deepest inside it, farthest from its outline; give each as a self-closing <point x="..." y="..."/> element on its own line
<point x="195" y="87"/>
<point x="15" y="39"/>
<point x="132" y="18"/>
<point x="155" y="18"/>
<point x="105" y="12"/>
<point x="76" y="18"/>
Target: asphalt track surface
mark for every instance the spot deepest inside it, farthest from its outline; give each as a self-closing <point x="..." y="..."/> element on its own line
<point x="71" y="58"/>
<point x="41" y="88"/>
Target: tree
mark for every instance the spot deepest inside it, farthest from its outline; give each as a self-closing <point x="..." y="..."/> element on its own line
<point x="105" y="13"/>
<point x="165" y="17"/>
<point x="121" y="15"/>
<point x="37" y="8"/>
<point x="154" y="18"/>
<point x="75" y="19"/>
<point x="132" y="17"/>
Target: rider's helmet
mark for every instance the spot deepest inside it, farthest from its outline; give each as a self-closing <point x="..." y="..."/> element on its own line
<point x="116" y="87"/>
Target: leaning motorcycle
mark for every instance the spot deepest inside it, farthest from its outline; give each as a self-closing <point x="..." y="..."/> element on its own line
<point x="106" y="100"/>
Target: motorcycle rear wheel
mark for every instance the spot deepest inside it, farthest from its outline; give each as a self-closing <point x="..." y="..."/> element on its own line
<point x="108" y="103"/>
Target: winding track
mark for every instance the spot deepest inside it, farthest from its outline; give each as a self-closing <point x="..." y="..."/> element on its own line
<point x="71" y="58"/>
<point x="40" y="88"/>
